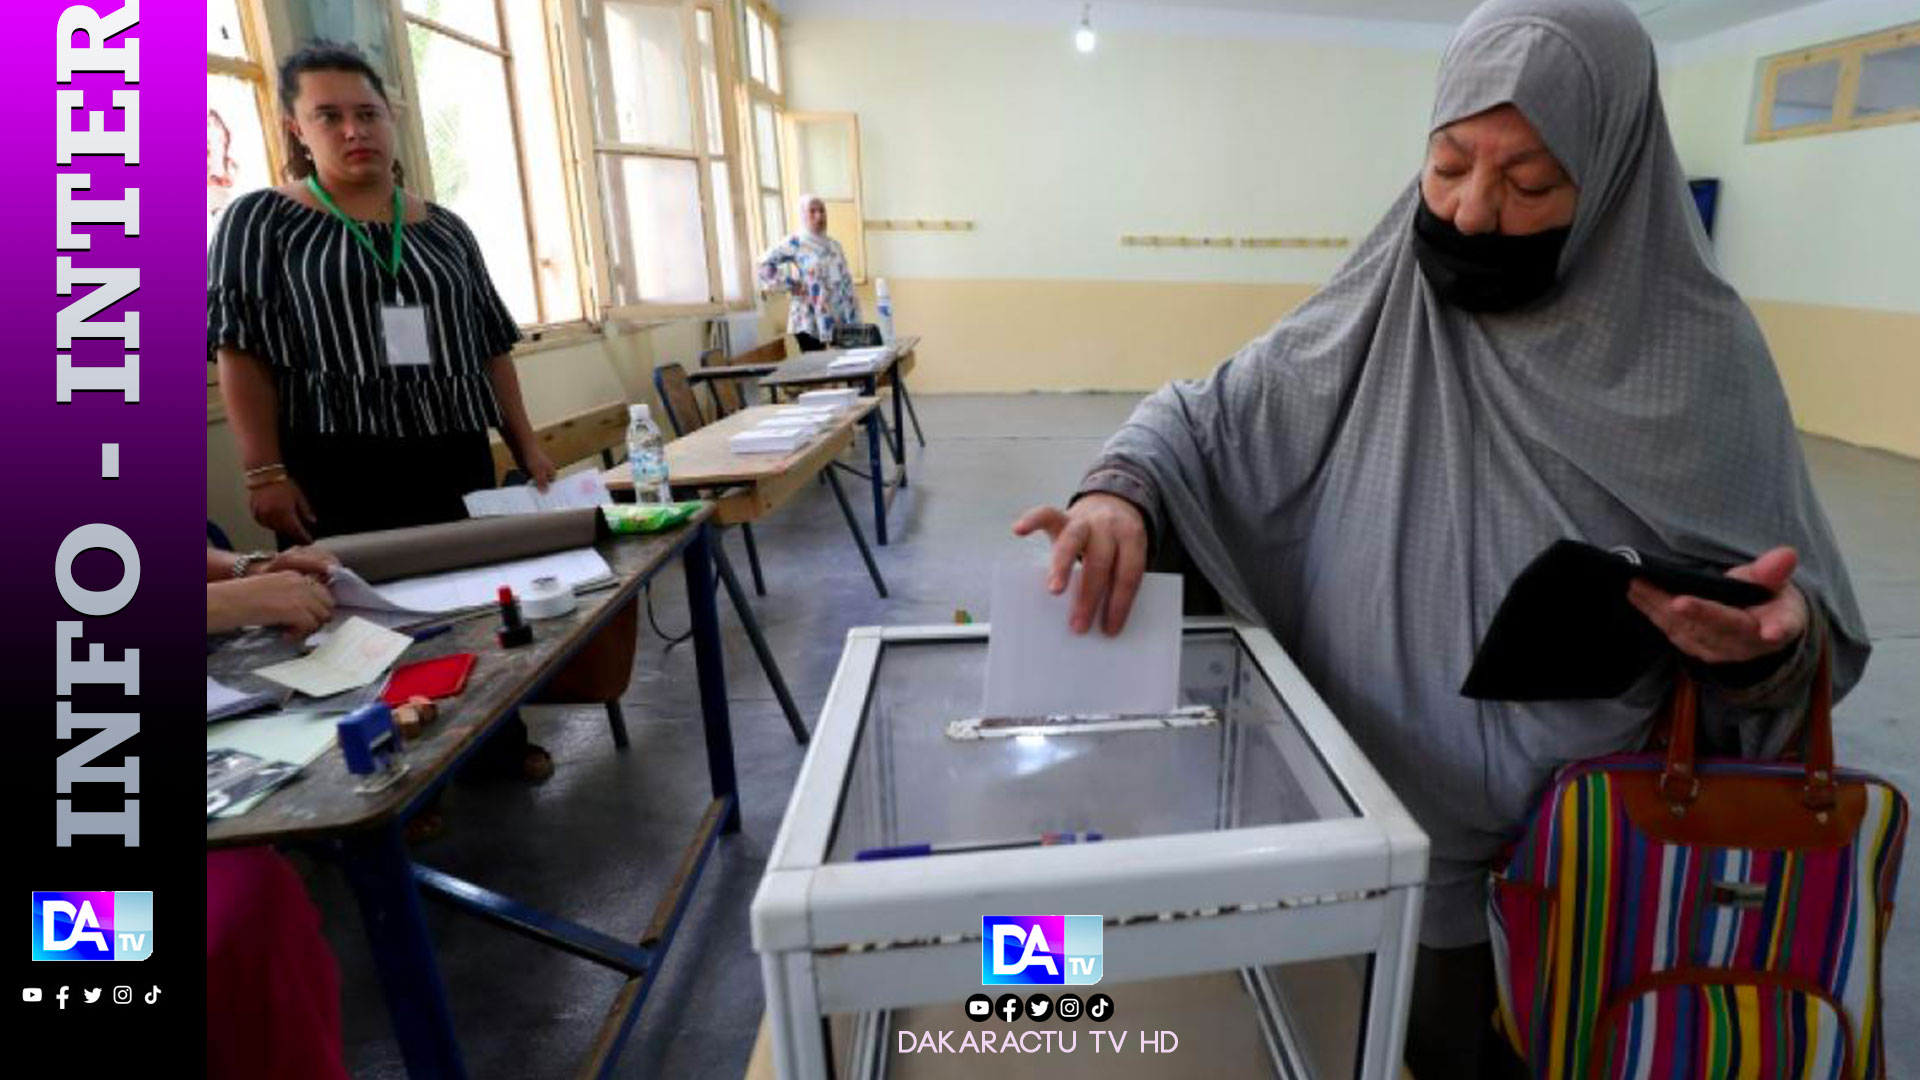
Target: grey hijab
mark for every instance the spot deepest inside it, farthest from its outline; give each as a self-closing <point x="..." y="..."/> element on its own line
<point x="1370" y="476"/>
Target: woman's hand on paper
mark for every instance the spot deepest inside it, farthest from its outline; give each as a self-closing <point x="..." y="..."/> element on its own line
<point x="538" y="467"/>
<point x="283" y="508"/>
<point x="1108" y="536"/>
<point x="312" y="561"/>
<point x="1718" y="634"/>
<point x="284" y="598"/>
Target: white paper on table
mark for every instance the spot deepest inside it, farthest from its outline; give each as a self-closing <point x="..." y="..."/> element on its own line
<point x="222" y="699"/>
<point x="350" y="590"/>
<point x="574" y="491"/>
<point x="457" y="590"/>
<point x="293" y="737"/>
<point x="355" y="653"/>
<point x="1036" y="666"/>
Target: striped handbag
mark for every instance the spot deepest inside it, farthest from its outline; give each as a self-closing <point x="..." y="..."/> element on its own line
<point x="1665" y="922"/>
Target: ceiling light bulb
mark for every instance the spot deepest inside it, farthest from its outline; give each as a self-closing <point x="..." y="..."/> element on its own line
<point x="1083" y="38"/>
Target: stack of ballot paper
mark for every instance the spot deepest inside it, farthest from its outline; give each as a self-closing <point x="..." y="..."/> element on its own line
<point x="832" y="399"/>
<point x="855" y="361"/>
<point x="773" y="437"/>
<point x="821" y="415"/>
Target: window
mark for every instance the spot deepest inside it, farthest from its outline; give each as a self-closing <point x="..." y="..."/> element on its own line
<point x="1840" y="86"/>
<point x="765" y="103"/>
<point x="484" y="78"/>
<point x="664" y="155"/>
<point x="243" y="151"/>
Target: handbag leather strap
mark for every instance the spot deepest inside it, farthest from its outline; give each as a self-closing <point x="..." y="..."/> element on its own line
<point x="1680" y="781"/>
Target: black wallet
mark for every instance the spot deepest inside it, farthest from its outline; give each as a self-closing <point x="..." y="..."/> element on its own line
<point x="1567" y="630"/>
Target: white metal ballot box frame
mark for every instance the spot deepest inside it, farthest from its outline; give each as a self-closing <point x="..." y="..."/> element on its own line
<point x="1238" y="845"/>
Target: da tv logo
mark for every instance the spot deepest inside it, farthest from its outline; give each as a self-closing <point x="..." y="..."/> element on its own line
<point x="1025" y="950"/>
<point x="92" y="925"/>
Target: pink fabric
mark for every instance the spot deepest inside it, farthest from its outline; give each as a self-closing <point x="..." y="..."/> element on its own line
<point x="273" y="993"/>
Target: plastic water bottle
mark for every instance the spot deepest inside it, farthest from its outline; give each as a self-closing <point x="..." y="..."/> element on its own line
<point x="884" y="303"/>
<point x="647" y="456"/>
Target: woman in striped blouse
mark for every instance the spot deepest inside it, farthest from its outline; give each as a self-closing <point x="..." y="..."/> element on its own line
<point x="363" y="352"/>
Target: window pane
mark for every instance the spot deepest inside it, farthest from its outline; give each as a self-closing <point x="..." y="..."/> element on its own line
<point x="236" y="145"/>
<point x="1889" y="82"/>
<point x="476" y="174"/>
<point x="1804" y="95"/>
<point x="545" y="159"/>
<point x="365" y="24"/>
<point x="773" y="60"/>
<point x="773" y="219"/>
<point x="723" y="223"/>
<point x="766" y="139"/>
<point x="474" y="18"/>
<point x="756" y="62"/>
<point x="655" y="233"/>
<point x="647" y="78"/>
<point x="223" y="29"/>
<point x="710" y="83"/>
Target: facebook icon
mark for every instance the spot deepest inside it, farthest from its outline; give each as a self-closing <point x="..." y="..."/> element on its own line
<point x="1027" y="950"/>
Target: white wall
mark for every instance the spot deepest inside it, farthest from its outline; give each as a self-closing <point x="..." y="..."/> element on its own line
<point x="1056" y="154"/>
<point x="1825" y="219"/>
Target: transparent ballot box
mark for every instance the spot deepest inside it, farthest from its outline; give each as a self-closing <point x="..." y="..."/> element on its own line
<point x="1257" y="886"/>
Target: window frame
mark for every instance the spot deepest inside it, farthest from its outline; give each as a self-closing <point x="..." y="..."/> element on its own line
<point x="754" y="93"/>
<point x="544" y="330"/>
<point x="257" y="68"/>
<point x="590" y="147"/>
<point x="1851" y="53"/>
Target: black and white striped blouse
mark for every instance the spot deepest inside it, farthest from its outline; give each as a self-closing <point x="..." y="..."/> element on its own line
<point x="290" y="285"/>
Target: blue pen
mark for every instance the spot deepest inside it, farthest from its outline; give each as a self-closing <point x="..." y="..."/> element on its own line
<point x="431" y="632"/>
<point x="909" y="851"/>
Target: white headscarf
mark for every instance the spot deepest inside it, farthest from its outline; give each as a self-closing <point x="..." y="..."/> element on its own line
<point x="801" y="230"/>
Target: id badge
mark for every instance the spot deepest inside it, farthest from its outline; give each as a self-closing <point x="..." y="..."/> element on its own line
<point x="405" y="329"/>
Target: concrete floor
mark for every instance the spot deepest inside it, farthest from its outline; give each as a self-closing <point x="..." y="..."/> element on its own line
<point x="597" y="843"/>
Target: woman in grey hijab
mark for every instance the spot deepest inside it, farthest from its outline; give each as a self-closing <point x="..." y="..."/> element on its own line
<point x="1533" y="344"/>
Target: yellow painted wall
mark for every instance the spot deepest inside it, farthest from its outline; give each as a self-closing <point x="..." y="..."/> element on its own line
<point x="1852" y="373"/>
<point x="1007" y="335"/>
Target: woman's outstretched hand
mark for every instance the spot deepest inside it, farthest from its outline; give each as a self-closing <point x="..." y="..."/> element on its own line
<point x="1108" y="536"/>
<point x="1719" y="634"/>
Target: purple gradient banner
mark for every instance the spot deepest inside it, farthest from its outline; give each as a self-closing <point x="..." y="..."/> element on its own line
<point x="54" y="464"/>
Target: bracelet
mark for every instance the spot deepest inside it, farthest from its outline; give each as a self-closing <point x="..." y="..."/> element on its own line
<point x="242" y="564"/>
<point x="255" y="483"/>
<point x="259" y="470"/>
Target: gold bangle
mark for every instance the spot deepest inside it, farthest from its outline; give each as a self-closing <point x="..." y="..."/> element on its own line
<point x="255" y="483"/>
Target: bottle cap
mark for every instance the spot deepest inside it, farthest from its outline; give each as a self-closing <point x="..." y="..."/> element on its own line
<point x="638" y="411"/>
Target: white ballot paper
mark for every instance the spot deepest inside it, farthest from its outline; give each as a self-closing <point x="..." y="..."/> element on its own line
<point x="354" y="654"/>
<point x="573" y="491"/>
<point x="1036" y="666"/>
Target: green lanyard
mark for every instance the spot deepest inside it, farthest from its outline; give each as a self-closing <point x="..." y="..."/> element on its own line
<point x="360" y="233"/>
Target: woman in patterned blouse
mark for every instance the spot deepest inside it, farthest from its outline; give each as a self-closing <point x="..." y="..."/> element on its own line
<point x="363" y="351"/>
<point x="812" y="268"/>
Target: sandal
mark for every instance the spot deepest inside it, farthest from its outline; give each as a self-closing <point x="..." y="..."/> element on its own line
<point x="536" y="765"/>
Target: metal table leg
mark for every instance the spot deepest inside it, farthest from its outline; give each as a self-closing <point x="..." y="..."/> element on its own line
<point x="709" y="665"/>
<point x="376" y="867"/>
<point x="768" y="665"/>
<point x="876" y="476"/>
<point x="900" y="389"/>
<point x="859" y="538"/>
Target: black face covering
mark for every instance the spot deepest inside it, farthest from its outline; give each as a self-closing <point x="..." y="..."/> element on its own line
<point x="1488" y="271"/>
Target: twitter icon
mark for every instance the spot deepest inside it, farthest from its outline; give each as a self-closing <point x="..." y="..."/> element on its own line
<point x="91" y="995"/>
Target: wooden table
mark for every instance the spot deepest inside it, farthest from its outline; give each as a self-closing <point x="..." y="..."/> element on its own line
<point x="809" y="371"/>
<point x="363" y="833"/>
<point x="747" y="487"/>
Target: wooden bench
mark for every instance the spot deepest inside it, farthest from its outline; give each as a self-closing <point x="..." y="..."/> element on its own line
<point x="599" y="430"/>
